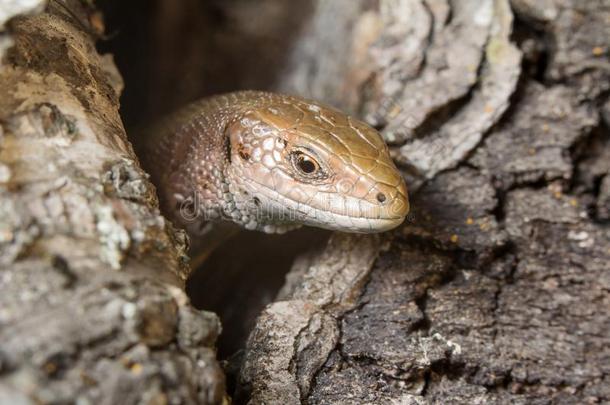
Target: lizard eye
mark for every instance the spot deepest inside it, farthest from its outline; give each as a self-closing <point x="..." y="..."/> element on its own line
<point x="304" y="163"/>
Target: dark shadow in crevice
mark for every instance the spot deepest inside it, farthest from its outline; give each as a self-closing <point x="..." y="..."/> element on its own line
<point x="244" y="275"/>
<point x="537" y="44"/>
<point x="172" y="52"/>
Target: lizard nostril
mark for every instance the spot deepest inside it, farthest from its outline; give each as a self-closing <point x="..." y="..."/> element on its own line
<point x="381" y="197"/>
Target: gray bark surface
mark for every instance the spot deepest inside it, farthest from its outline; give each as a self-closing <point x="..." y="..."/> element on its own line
<point x="496" y="290"/>
<point x="92" y="307"/>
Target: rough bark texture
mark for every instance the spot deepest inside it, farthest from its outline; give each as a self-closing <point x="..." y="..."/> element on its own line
<point x="497" y="288"/>
<point x="91" y="305"/>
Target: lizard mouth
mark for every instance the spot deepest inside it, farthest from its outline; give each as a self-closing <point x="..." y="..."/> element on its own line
<point x="363" y="221"/>
<point x="347" y="214"/>
<point x="366" y="225"/>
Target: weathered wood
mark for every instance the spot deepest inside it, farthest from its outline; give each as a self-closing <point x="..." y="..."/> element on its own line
<point x="91" y="305"/>
<point x="497" y="288"/>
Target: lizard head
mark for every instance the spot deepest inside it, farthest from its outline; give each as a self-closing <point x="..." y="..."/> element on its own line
<point x="299" y="162"/>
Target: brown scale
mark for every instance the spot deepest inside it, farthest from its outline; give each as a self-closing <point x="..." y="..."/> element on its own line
<point x="273" y="162"/>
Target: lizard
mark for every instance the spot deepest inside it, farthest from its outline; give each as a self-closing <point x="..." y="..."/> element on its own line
<point x="272" y="162"/>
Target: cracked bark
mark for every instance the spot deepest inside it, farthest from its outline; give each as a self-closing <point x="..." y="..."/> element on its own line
<point x="494" y="291"/>
<point x="92" y="305"/>
<point x="496" y="288"/>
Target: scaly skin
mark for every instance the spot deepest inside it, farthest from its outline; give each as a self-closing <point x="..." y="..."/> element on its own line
<point x="273" y="162"/>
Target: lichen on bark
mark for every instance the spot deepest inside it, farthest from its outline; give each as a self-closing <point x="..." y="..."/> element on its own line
<point x="91" y="274"/>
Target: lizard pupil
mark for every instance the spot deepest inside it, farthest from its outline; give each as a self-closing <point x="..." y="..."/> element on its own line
<point x="306" y="164"/>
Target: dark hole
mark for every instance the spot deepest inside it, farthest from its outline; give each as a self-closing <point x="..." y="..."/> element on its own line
<point x="243" y="275"/>
<point x="381" y="197"/>
<point x="173" y="52"/>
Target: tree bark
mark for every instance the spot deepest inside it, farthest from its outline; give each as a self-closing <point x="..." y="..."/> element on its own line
<point x="496" y="290"/>
<point x="91" y="275"/>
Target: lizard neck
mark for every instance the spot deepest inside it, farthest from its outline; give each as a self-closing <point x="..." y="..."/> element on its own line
<point x="197" y="184"/>
<point x="193" y="187"/>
